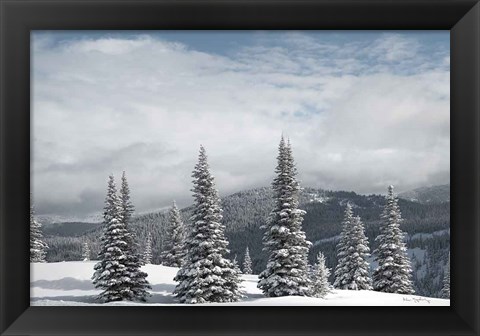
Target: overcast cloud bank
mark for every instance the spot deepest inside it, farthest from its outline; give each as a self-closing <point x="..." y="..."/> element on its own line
<point x="361" y="113"/>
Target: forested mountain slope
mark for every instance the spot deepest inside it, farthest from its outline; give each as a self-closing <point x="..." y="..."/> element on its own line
<point x="435" y="194"/>
<point x="427" y="225"/>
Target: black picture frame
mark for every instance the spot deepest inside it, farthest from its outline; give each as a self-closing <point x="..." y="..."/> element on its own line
<point x="19" y="17"/>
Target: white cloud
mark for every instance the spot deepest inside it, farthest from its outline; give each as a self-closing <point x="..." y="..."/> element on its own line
<point x="101" y="105"/>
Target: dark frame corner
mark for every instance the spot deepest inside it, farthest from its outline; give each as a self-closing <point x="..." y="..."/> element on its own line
<point x="19" y="17"/>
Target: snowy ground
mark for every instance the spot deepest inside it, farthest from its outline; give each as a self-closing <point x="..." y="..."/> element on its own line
<point x="69" y="284"/>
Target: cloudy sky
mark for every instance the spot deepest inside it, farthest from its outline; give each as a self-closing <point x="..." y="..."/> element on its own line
<point x="362" y="110"/>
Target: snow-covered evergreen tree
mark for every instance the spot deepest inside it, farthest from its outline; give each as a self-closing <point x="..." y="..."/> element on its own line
<point x="127" y="210"/>
<point x="117" y="274"/>
<point x="319" y="277"/>
<point x="147" y="255"/>
<point x="174" y="253"/>
<point x="445" y="292"/>
<point x="85" y="252"/>
<point x="206" y="275"/>
<point x="134" y="259"/>
<point x="352" y="271"/>
<point x="247" y="262"/>
<point x="236" y="266"/>
<point x="284" y="241"/>
<point x="126" y="204"/>
<point x="342" y="272"/>
<point x="393" y="274"/>
<point x="38" y="248"/>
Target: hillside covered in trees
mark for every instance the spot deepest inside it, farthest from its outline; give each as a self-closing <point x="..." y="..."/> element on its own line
<point x="427" y="225"/>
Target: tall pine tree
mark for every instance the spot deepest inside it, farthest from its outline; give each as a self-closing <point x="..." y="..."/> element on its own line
<point x="247" y="262"/>
<point x="319" y="277"/>
<point x="393" y="274"/>
<point x="134" y="260"/>
<point x="38" y="248"/>
<point x="127" y="210"/>
<point x="352" y="271"/>
<point x="115" y="274"/>
<point x="284" y="241"/>
<point x="206" y="276"/>
<point x="342" y="271"/>
<point x="174" y="253"/>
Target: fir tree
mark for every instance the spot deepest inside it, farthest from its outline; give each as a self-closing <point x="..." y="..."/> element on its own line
<point x="445" y="292"/>
<point x="147" y="255"/>
<point x="38" y="248"/>
<point x="127" y="210"/>
<point x="126" y="204"/>
<point x="236" y="266"/>
<point x="393" y="274"/>
<point x="352" y="271"/>
<point x="319" y="277"/>
<point x="342" y="272"/>
<point x="174" y="253"/>
<point x="134" y="260"/>
<point x="247" y="263"/>
<point x="115" y="273"/>
<point x="284" y="241"/>
<point x="85" y="252"/>
<point x="206" y="276"/>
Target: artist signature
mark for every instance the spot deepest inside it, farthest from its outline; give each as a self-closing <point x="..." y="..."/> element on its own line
<point x="416" y="300"/>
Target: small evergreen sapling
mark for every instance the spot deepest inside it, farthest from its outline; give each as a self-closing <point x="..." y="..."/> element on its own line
<point x="393" y="274"/>
<point x="206" y="275"/>
<point x="38" y="248"/>
<point x="247" y="262"/>
<point x="319" y="277"/>
<point x="174" y="253"/>
<point x="85" y="252"/>
<point x="236" y="266"/>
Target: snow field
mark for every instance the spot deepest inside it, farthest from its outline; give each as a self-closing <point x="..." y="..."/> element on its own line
<point x="69" y="284"/>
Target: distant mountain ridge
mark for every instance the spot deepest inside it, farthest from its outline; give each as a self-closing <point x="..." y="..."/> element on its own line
<point x="434" y="194"/>
<point x="49" y="219"/>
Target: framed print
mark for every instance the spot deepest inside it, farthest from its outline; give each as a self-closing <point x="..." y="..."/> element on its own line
<point x="158" y="95"/>
<point x="331" y="150"/>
